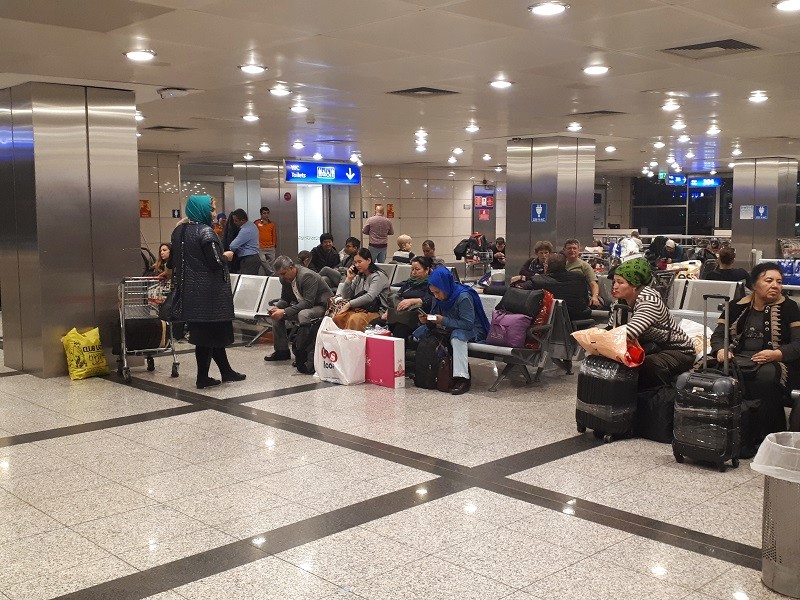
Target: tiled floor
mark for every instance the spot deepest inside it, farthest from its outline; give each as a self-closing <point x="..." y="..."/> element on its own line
<point x="279" y="488"/>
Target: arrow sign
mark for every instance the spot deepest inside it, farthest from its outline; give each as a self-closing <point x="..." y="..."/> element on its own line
<point x="350" y="174"/>
<point x="299" y="171"/>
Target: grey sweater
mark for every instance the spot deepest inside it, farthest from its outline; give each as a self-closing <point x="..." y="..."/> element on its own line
<point x="376" y="285"/>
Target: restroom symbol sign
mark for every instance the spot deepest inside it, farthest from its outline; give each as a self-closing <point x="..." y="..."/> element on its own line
<point x="539" y="212"/>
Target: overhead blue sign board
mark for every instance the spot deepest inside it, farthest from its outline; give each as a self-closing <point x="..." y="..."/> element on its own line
<point x="299" y="171"/>
<point x="761" y="212"/>
<point x="538" y="213"/>
<point x="676" y="179"/>
<point x="704" y="182"/>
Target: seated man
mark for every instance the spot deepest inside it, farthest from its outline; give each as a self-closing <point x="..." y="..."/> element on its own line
<point x="429" y="250"/>
<point x="324" y="255"/>
<point x="569" y="286"/>
<point x="304" y="297"/>
<point x="498" y="250"/>
<point x="351" y="246"/>
<point x="572" y="249"/>
<point x="725" y="270"/>
<point x="303" y="258"/>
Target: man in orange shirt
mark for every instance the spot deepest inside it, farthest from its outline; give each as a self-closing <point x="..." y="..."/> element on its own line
<point x="267" y="241"/>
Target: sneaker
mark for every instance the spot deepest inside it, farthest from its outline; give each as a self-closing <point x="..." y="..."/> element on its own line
<point x="275" y="356"/>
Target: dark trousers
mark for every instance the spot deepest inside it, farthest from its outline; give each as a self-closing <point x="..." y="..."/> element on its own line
<point x="659" y="368"/>
<point x="203" y="356"/>
<point x="764" y="399"/>
<point x="250" y="265"/>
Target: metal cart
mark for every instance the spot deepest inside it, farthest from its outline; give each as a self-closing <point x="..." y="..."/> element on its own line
<point x="140" y="298"/>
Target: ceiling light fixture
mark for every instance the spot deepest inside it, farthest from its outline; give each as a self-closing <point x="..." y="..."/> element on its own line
<point x="140" y="55"/>
<point x="574" y="126"/>
<point x="299" y="108"/>
<point x="501" y="84"/>
<point x="650" y="173"/>
<point x="359" y="163"/>
<point x="610" y="149"/>
<point x="670" y="105"/>
<point x="317" y="156"/>
<point x="421" y="133"/>
<point x="298" y="145"/>
<point x="452" y="160"/>
<point x="548" y="9"/>
<point x="252" y="69"/>
<point x="712" y="172"/>
<point x="679" y="125"/>
<point x="280" y="90"/>
<point x="736" y="151"/>
<point x="264" y="147"/>
<point x="645" y="170"/>
<point x="714" y="130"/>
<point x="596" y="70"/>
<point x="472" y="128"/>
<point x="787" y="5"/>
<point x="731" y="165"/>
<point x="487" y="157"/>
<point x="138" y="116"/>
<point x="354" y="157"/>
<point x="248" y="156"/>
<point x="458" y="151"/>
<point x="758" y="96"/>
<point x="138" y="134"/>
<point x="421" y="148"/>
<point x="653" y="163"/>
<point x="658" y="145"/>
<point x="690" y="154"/>
<point x="250" y="118"/>
<point x="683" y="138"/>
<point x="498" y="169"/>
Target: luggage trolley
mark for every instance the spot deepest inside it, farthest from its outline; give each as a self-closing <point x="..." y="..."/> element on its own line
<point x="139" y="299"/>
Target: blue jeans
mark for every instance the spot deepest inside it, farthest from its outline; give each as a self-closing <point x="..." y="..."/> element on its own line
<point x="378" y="254"/>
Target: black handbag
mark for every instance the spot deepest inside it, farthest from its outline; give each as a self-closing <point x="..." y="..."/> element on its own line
<point x="172" y="307"/>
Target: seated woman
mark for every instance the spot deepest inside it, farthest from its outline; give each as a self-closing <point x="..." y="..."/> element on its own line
<point x="403" y="254"/>
<point x="413" y="294"/>
<point x="668" y="350"/>
<point x="366" y="289"/>
<point x="765" y="346"/>
<point x="536" y="265"/>
<point x="458" y="309"/>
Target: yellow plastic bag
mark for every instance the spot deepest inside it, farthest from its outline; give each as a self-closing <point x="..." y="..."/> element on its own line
<point x="84" y="352"/>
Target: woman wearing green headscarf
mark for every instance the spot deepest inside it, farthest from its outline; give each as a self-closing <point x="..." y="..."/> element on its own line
<point x="668" y="350"/>
<point x="202" y="286"/>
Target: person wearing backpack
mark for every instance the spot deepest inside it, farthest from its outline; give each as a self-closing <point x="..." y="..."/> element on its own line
<point x="458" y="309"/>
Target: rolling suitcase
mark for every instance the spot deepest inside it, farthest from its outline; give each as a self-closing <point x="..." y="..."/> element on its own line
<point x="606" y="397"/>
<point x="708" y="411"/>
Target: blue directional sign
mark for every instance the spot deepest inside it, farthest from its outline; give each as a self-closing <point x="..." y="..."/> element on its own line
<point x="705" y="182"/>
<point x="761" y="212"/>
<point x="299" y="171"/>
<point x="538" y="212"/>
<point x="676" y="179"/>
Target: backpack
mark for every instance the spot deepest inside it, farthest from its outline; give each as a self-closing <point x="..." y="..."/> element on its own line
<point x="303" y="346"/>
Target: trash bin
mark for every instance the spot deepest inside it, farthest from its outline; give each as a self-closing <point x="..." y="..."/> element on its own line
<point x="779" y="459"/>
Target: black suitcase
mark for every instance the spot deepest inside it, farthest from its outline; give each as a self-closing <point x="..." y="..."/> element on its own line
<point x="655" y="414"/>
<point x="708" y="411"/>
<point x="140" y="334"/>
<point x="606" y="397"/>
<point x="303" y="346"/>
<point x="430" y="352"/>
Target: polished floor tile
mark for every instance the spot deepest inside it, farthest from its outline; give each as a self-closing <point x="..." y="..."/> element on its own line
<point x="568" y="531"/>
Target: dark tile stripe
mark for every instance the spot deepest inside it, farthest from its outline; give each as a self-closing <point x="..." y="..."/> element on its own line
<point x="306" y="387"/>
<point x="49" y="434"/>
<point x="192" y="568"/>
<point x="535" y="457"/>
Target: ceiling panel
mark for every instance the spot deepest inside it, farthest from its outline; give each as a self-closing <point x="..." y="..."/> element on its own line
<point x="89" y="15"/>
<point x="742" y="13"/>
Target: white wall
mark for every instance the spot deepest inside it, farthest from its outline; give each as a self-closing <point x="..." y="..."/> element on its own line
<point x="159" y="182"/>
<point x="618" y="200"/>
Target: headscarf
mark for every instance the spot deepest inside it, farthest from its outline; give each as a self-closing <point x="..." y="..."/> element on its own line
<point x="442" y="278"/>
<point x="636" y="272"/>
<point x="198" y="209"/>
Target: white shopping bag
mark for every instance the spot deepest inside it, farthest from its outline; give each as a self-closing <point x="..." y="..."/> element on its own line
<point x="339" y="354"/>
<point x="700" y="336"/>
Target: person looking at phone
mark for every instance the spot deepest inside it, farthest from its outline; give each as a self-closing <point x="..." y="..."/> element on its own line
<point x="414" y="295"/>
<point x="458" y="309"/>
<point x="366" y="289"/>
<point x="304" y="297"/>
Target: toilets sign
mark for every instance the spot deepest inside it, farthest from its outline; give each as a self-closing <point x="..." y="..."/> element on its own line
<point x="299" y="171"/>
<point x="538" y="212"/>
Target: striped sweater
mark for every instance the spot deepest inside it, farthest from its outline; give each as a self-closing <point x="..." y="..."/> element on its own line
<point x="650" y="321"/>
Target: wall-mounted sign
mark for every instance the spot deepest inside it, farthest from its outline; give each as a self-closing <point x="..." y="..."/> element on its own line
<point x="484" y="201"/>
<point x="538" y="213"/>
<point x="483" y="214"/>
<point x="390" y="211"/>
<point x="298" y="171"/>
<point x="662" y="174"/>
<point x="364" y="214"/>
<point x="761" y="212"/>
<point x="746" y="212"/>
<point x="676" y="179"/>
<point x="697" y="182"/>
<point x="352" y="214"/>
<point x="287" y="196"/>
<point x="145" y="211"/>
<point x="176" y="213"/>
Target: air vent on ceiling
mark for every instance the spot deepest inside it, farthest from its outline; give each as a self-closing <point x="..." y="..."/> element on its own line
<point x="170" y="128"/>
<point x="422" y="92"/>
<point x="727" y="47"/>
<point x="592" y="114"/>
<point x="609" y="160"/>
<point x="335" y="141"/>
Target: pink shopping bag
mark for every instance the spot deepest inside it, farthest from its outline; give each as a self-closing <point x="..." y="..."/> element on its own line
<point x="386" y="361"/>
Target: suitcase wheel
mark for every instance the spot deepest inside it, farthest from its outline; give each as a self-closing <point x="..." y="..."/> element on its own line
<point x="151" y="364"/>
<point x="126" y="374"/>
<point x="721" y="467"/>
<point x="174" y="370"/>
<point x="581" y="428"/>
<point x="608" y="438"/>
<point x="735" y="462"/>
<point x="678" y="457"/>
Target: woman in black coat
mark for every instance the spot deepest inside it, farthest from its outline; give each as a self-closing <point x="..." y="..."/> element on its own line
<point x="203" y="295"/>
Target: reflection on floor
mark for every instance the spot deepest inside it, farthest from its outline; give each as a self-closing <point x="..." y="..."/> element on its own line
<point x="277" y="487"/>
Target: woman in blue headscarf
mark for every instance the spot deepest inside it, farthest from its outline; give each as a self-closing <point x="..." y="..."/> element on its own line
<point x="458" y="309"/>
<point x="202" y="286"/>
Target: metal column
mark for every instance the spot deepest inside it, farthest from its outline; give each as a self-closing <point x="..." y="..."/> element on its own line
<point x="770" y="183"/>
<point x="68" y="191"/>
<point x="554" y="171"/>
<point x="247" y="189"/>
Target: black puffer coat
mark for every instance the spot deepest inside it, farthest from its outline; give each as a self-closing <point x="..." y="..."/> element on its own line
<point x="200" y="275"/>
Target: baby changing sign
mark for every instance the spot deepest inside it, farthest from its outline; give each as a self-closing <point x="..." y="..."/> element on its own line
<point x="539" y="212"/>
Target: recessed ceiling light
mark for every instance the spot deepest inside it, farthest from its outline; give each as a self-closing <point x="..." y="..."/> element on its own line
<point x="359" y="163"/>
<point x="548" y="9"/>
<point x="451" y="174"/>
<point x="458" y="151"/>
<point x="299" y="108"/>
<point x="787" y="5"/>
<point x="712" y="172"/>
<point x="596" y="70"/>
<point x="264" y="148"/>
<point x="472" y="128"/>
<point x="731" y="165"/>
<point x="487" y="157"/>
<point x="452" y="160"/>
<point x="758" y="96"/>
<point x="670" y="105"/>
<point x="679" y="125"/>
<point x="280" y="90"/>
<point x="501" y="84"/>
<point x="298" y="145"/>
<point x="421" y="148"/>
<point x="252" y="69"/>
<point x="645" y="170"/>
<point x="683" y="138"/>
<point x="670" y="159"/>
<point x="658" y="145"/>
<point x="611" y="149"/>
<point x="140" y="55"/>
<point x="354" y="157"/>
<point x="736" y="151"/>
<point x="250" y="118"/>
<point x="498" y="169"/>
<point x="138" y="116"/>
<point x="713" y="130"/>
<point x="317" y="156"/>
<point x="650" y="173"/>
<point x="421" y="133"/>
<point x="653" y="163"/>
<point x="138" y="134"/>
<point x="248" y="156"/>
<point x="574" y="126"/>
<point x="690" y="154"/>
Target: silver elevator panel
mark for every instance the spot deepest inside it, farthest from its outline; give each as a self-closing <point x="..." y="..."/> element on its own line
<point x="768" y="182"/>
<point x="556" y="171"/>
<point x="68" y="194"/>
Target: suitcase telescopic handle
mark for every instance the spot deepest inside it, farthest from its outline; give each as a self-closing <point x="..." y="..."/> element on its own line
<point x="727" y="333"/>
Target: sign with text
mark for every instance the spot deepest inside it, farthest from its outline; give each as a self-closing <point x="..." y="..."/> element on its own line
<point x="761" y="212"/>
<point x="484" y="201"/>
<point x="538" y="212"/>
<point x="746" y="212"/>
<point x="676" y="179"/>
<point x="145" y="211"/>
<point x="298" y="171"/>
<point x="702" y="182"/>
